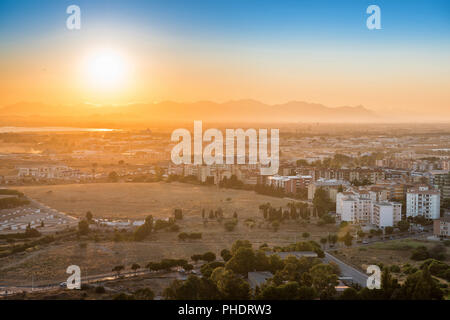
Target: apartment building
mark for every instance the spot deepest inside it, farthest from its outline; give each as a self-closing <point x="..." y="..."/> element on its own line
<point x="422" y="201"/>
<point x="441" y="227"/>
<point x="290" y="184"/>
<point x="440" y="179"/>
<point x="386" y="214"/>
<point x="331" y="186"/>
<point x="362" y="206"/>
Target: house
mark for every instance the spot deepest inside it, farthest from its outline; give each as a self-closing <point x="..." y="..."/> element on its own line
<point x="258" y="278"/>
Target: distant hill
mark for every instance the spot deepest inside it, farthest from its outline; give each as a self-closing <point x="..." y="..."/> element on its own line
<point x="234" y="111"/>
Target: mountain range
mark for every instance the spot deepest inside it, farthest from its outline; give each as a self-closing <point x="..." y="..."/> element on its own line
<point x="232" y="111"/>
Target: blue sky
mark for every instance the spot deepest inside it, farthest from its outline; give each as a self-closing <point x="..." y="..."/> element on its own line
<point x="235" y="20"/>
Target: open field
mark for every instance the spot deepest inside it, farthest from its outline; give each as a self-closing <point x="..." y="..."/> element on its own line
<point x="137" y="200"/>
<point x="48" y="264"/>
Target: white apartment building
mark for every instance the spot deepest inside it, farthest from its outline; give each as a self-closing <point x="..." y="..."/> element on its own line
<point x="361" y="206"/>
<point x="423" y="202"/>
<point x="386" y="214"/>
<point x="354" y="207"/>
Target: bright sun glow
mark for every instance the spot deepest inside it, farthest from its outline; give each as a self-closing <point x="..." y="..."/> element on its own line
<point x="105" y="70"/>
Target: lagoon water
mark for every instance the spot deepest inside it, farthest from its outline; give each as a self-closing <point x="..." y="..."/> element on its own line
<point x="50" y="129"/>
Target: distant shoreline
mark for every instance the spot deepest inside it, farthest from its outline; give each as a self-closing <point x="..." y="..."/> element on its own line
<point x="51" y="129"/>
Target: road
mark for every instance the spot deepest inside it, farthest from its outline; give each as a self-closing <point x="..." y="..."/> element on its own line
<point x="358" y="276"/>
<point x="348" y="271"/>
<point x="96" y="279"/>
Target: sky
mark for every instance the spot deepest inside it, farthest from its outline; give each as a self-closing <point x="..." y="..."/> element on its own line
<point x="191" y="50"/>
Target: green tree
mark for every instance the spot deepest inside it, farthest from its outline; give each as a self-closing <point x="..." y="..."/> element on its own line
<point x="324" y="280"/>
<point x="230" y="286"/>
<point x="242" y="262"/>
<point x="349" y="294"/>
<point x="347" y="239"/>
<point x="135" y="267"/>
<point x="193" y="288"/>
<point x="332" y="238"/>
<point x="238" y="244"/>
<point x="209" y="256"/>
<point x="403" y="225"/>
<point x="83" y="227"/>
<point x="226" y="255"/>
<point x="118" y="269"/>
<point x="322" y="203"/>
<point x="144" y="294"/>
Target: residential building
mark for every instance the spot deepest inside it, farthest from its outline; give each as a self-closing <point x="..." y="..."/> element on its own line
<point x="332" y="186"/>
<point x="440" y="179"/>
<point x="441" y="227"/>
<point x="386" y="214"/>
<point x="422" y="201"/>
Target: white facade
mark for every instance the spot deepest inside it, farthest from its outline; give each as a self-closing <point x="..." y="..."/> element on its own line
<point x="423" y="202"/>
<point x="386" y="214"/>
<point x="360" y="207"/>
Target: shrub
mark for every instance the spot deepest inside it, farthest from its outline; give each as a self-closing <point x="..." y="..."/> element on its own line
<point x="394" y="268"/>
<point x="420" y="253"/>
<point x="230" y="225"/>
<point x="100" y="289"/>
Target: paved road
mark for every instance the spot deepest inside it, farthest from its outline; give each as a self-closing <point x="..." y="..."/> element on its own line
<point x="95" y="279"/>
<point x="348" y="271"/>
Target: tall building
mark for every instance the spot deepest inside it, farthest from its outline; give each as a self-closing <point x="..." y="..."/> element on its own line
<point x="386" y="214"/>
<point x="423" y="202"/>
<point x="440" y="179"/>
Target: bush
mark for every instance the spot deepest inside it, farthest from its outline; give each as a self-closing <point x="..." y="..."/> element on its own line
<point x="437" y="252"/>
<point x="13" y="202"/>
<point x="144" y="294"/>
<point x="100" y="290"/>
<point x="194" y="235"/>
<point x="230" y="225"/>
<point x="420" y="253"/>
<point x="395" y="269"/>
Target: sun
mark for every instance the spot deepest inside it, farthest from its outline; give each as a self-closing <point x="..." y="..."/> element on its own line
<point x="105" y="70"/>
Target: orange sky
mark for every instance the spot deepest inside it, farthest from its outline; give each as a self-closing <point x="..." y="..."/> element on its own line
<point x="380" y="71"/>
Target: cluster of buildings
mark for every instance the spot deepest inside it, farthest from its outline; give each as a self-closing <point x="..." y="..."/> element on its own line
<point x="368" y="206"/>
<point x="247" y="173"/>
<point x="373" y="205"/>
<point x="45" y="171"/>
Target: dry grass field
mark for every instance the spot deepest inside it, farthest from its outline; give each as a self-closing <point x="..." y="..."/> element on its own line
<point x="137" y="200"/>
